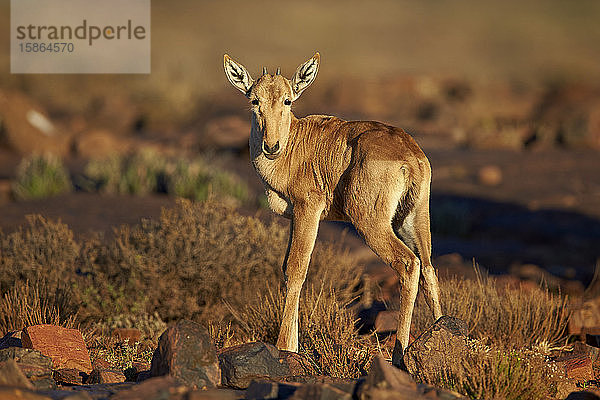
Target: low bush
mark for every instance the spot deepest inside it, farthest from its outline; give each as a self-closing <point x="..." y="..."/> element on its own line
<point x="147" y="171"/>
<point x="41" y="176"/>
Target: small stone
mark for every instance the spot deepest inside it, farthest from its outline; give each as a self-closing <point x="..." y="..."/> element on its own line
<point x="68" y="376"/>
<point x="66" y="347"/>
<point x="11" y="339"/>
<point x="577" y="367"/>
<point x="186" y="352"/>
<point x="582" y="395"/>
<point x="241" y="364"/>
<point x="99" y="376"/>
<point x="134" y="371"/>
<point x="11" y="375"/>
<point x="131" y="334"/>
<point x="264" y="389"/>
<point x="383" y="376"/>
<point x="490" y="175"/>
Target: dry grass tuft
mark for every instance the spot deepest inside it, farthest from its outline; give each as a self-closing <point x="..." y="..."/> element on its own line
<point x="497" y="373"/>
<point x="26" y="305"/>
<point x="521" y="317"/>
<point x="328" y="333"/>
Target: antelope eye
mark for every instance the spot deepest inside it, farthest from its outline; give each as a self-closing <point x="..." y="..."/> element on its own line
<point x="287" y="102"/>
<point x="255" y="102"/>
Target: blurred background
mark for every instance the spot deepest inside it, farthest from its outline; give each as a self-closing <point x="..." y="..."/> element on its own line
<point x="504" y="97"/>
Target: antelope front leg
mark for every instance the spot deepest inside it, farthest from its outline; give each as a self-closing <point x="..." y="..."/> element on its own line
<point x="303" y="233"/>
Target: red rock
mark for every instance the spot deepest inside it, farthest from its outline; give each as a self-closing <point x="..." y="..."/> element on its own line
<point x="131" y="334"/>
<point x="101" y="363"/>
<point x="99" y="376"/>
<point x="576" y="366"/>
<point x="66" y="347"/>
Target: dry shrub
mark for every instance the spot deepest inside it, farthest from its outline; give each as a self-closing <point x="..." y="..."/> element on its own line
<point x="496" y="373"/>
<point x="509" y="316"/>
<point x="26" y="305"/>
<point x="193" y="257"/>
<point x="42" y="251"/>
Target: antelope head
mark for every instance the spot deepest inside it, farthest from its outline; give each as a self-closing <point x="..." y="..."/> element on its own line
<point x="271" y="98"/>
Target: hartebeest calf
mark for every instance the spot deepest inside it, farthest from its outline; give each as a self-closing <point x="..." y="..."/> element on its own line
<point x="324" y="168"/>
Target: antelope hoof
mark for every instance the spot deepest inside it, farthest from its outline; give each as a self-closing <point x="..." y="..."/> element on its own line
<point x="398" y="356"/>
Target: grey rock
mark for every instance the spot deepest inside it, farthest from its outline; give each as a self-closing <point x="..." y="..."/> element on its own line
<point x="36" y="366"/>
<point x="186" y="352"/>
<point x="11" y="375"/>
<point x="244" y="363"/>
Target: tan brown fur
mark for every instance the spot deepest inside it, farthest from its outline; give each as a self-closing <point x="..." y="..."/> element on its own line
<point x="364" y="172"/>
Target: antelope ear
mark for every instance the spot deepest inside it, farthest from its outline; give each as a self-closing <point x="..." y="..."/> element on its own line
<point x="237" y="75"/>
<point x="305" y="75"/>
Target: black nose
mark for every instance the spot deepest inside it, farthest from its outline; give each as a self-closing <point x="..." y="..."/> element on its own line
<point x="271" y="150"/>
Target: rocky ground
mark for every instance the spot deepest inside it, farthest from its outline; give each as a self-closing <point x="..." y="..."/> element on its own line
<point x="51" y="362"/>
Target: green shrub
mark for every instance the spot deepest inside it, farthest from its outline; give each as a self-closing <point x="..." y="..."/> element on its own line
<point x="195" y="180"/>
<point x="137" y="173"/>
<point x="41" y="176"/>
<point x="147" y="171"/>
